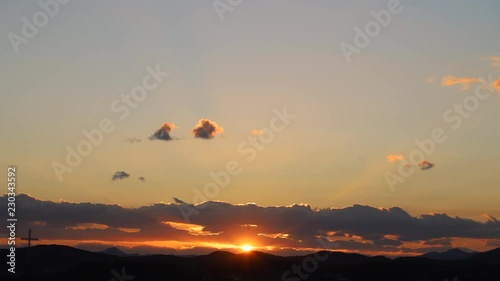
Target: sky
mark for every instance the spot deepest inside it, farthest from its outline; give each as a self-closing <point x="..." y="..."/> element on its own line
<point x="259" y="106"/>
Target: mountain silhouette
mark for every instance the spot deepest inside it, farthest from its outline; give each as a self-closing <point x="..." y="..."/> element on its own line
<point x="62" y="263"/>
<point x="452" y="254"/>
<point x="114" y="251"/>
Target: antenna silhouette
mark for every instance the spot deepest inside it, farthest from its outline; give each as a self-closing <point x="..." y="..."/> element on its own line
<point x="28" y="259"/>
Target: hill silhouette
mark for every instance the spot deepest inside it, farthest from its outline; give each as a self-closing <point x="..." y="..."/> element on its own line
<point x="114" y="251"/>
<point x="452" y="254"/>
<point x="54" y="262"/>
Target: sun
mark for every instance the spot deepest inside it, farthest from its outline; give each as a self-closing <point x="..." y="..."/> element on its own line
<point x="246" y="248"/>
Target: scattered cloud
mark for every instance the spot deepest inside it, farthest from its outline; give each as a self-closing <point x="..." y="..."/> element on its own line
<point x="163" y="133"/>
<point x="256" y="132"/>
<point x="120" y="175"/>
<point x="451" y="80"/>
<point x="394" y="157"/>
<point x="495" y="60"/>
<point x="133" y="140"/>
<point x="426" y="165"/>
<point x="496" y="84"/>
<point x="206" y="129"/>
<point x="439" y="241"/>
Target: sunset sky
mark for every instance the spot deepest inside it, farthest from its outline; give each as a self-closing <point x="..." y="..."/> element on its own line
<point x="219" y="83"/>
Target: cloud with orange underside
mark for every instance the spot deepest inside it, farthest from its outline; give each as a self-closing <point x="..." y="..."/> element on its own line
<point x="495" y="60"/>
<point x="496" y="85"/>
<point x="465" y="82"/>
<point x="220" y="225"/>
<point x="394" y="157"/>
<point x="206" y="129"/>
<point x="256" y="132"/>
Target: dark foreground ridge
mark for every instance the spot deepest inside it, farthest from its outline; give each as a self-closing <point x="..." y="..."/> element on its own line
<point x="62" y="263"/>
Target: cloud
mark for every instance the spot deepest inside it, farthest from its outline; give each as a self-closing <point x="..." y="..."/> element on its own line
<point x="358" y="227"/>
<point x="206" y="129"/>
<point x="256" y="132"/>
<point x="451" y="80"/>
<point x="496" y="84"/>
<point x="495" y="60"/>
<point x="493" y="242"/>
<point x="142" y="179"/>
<point x="430" y="79"/>
<point x="425" y="165"/>
<point x="120" y="175"/>
<point x="439" y="241"/>
<point x="163" y="133"/>
<point x="490" y="218"/>
<point x="133" y="140"/>
<point x="394" y="157"/>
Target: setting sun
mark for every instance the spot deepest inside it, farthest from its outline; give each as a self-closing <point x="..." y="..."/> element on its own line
<point x="186" y="140"/>
<point x="246" y="248"/>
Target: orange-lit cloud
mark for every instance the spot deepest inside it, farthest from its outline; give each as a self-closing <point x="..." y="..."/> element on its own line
<point x="256" y="132"/>
<point x="40" y="223"/>
<point x="394" y="157"/>
<point x="163" y="133"/>
<point x="193" y="229"/>
<point x="206" y="129"/>
<point x="490" y="218"/>
<point x="496" y="85"/>
<point x="426" y="165"/>
<point x="451" y="80"/>
<point x="83" y="226"/>
<point x="129" y="230"/>
<point x="495" y="60"/>
<point x="275" y="235"/>
<point x="249" y="225"/>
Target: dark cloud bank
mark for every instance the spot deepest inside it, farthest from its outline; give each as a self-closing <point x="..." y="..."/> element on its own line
<point x="355" y="228"/>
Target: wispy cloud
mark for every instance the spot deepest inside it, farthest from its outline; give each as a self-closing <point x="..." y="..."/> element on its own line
<point x="394" y="157"/>
<point x="465" y="82"/>
<point x="495" y="60"/>
<point x="256" y="132"/>
<point x="133" y="140"/>
<point x="496" y="84"/>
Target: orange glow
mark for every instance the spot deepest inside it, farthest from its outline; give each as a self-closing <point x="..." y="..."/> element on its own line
<point x="394" y="157"/>
<point x="246" y="248"/>
<point x="274" y="235"/>
<point x="83" y="226"/>
<point x="193" y="229"/>
<point x="129" y="230"/>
